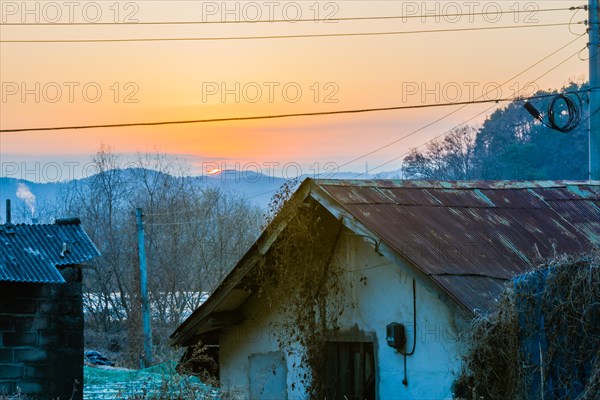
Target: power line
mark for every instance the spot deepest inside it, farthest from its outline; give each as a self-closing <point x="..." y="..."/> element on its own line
<point x="470" y="119"/>
<point x="171" y="213"/>
<point x="439" y="137"/>
<point x="299" y="36"/>
<point x="460" y="108"/>
<point x="262" y="117"/>
<point x="330" y="20"/>
<point x="426" y="143"/>
<point x="449" y="131"/>
<point x="191" y="222"/>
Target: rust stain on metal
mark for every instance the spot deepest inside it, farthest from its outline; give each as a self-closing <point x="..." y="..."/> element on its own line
<point x="464" y="233"/>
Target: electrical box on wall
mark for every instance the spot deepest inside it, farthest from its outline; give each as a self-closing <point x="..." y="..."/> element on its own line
<point x="395" y="335"/>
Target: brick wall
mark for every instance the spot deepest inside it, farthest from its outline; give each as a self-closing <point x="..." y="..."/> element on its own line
<point x="41" y="339"/>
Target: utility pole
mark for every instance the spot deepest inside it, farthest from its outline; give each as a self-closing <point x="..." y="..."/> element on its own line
<point x="147" y="360"/>
<point x="594" y="31"/>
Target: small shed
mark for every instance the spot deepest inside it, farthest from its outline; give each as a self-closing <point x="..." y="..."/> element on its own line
<point x="41" y="309"/>
<point x="417" y="261"/>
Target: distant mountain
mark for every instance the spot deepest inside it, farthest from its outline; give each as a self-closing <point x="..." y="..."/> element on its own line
<point x="257" y="188"/>
<point x="39" y="199"/>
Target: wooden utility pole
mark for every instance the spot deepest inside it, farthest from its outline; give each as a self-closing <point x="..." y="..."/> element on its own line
<point x="594" y="31"/>
<point x="147" y="360"/>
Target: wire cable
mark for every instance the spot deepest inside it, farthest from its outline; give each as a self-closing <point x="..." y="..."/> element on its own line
<point x="271" y="21"/>
<point x="573" y="17"/>
<point x="300" y="36"/>
<point x="171" y="213"/>
<point x="460" y="108"/>
<point x="465" y="122"/>
<point x="573" y="110"/>
<point x="191" y="222"/>
<point x="263" y="117"/>
<point x="426" y="143"/>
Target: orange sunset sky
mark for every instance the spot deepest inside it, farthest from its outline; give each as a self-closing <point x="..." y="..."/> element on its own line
<point x="183" y="80"/>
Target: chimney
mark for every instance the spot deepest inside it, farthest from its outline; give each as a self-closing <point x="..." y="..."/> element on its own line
<point x="8" y="221"/>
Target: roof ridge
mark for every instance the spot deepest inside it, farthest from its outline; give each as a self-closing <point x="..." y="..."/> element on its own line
<point x="57" y="222"/>
<point x="418" y="184"/>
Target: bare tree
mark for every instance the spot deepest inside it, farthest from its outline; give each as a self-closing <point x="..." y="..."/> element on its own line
<point x="194" y="236"/>
<point x="449" y="158"/>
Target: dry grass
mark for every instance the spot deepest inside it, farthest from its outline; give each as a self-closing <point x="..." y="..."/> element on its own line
<point x="513" y="357"/>
<point x="495" y="367"/>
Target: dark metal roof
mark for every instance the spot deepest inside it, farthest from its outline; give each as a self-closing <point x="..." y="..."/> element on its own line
<point x="469" y="237"/>
<point x="33" y="253"/>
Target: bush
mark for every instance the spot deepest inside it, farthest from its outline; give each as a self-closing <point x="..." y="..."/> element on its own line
<point x="543" y="341"/>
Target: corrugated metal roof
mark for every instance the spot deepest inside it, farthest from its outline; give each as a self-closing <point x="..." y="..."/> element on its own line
<point x="469" y="236"/>
<point x="32" y="253"/>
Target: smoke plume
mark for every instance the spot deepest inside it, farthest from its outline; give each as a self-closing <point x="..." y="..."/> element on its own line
<point x="25" y="194"/>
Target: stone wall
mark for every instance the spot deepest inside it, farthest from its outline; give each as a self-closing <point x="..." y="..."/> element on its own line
<point x="41" y="339"/>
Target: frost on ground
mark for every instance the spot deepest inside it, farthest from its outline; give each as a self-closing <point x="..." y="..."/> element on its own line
<point x="159" y="382"/>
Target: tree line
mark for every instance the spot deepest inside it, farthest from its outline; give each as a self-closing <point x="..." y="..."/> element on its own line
<point x="510" y="145"/>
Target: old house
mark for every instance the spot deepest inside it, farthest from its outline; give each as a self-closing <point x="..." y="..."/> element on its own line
<point x="41" y="315"/>
<point x="415" y="262"/>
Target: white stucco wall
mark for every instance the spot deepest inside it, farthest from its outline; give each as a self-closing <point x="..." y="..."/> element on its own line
<point x="255" y="336"/>
<point x="387" y="297"/>
<point x="378" y="292"/>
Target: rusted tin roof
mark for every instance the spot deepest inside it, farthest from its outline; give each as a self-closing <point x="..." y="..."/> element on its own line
<point x="470" y="236"/>
<point x="33" y="253"/>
